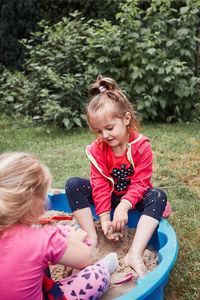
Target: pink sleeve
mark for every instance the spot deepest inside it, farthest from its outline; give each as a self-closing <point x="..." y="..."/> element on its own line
<point x="55" y="242"/>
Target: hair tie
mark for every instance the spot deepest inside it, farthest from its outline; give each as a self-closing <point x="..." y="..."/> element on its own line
<point x="102" y="89"/>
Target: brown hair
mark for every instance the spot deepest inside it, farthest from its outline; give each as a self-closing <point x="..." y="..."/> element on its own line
<point x="24" y="182"/>
<point x="105" y="89"/>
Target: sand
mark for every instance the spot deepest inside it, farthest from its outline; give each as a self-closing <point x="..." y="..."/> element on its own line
<point x="105" y="246"/>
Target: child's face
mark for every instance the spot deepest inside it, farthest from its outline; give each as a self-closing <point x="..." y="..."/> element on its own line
<point x="112" y="130"/>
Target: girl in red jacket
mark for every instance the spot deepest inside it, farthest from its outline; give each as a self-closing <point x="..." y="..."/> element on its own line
<point x="121" y="169"/>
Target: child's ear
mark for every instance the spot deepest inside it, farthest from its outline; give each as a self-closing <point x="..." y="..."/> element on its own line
<point x="127" y="118"/>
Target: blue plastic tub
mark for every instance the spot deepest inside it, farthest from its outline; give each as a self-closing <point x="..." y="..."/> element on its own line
<point x="164" y="241"/>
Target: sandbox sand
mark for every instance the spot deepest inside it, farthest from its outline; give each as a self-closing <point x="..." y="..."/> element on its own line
<point x="105" y="247"/>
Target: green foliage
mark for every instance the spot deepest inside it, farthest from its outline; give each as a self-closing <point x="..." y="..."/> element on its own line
<point x="52" y="88"/>
<point x="150" y="52"/>
<point x="18" y="18"/>
<point x="159" y="58"/>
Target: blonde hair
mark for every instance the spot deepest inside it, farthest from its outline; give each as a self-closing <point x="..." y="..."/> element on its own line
<point x="104" y="90"/>
<point x="24" y="182"/>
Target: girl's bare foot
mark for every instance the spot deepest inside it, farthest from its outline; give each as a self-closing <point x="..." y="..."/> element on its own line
<point x="136" y="262"/>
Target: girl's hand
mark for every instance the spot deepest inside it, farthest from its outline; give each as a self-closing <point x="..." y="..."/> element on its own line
<point x="106" y="226"/>
<point x="120" y="217"/>
<point x="105" y="223"/>
<point x="77" y="254"/>
<point x="77" y="235"/>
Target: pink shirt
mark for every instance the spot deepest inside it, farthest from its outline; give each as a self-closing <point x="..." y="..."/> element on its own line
<point x="24" y="253"/>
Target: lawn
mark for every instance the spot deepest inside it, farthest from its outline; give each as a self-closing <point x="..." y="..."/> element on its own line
<point x="176" y="150"/>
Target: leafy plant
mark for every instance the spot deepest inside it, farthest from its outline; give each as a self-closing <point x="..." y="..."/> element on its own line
<point x="150" y="52"/>
<point x="159" y="52"/>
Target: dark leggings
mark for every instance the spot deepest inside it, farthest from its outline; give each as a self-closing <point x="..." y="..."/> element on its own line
<point x="79" y="195"/>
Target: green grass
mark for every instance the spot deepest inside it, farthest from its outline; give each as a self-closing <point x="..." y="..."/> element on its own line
<point x="176" y="150"/>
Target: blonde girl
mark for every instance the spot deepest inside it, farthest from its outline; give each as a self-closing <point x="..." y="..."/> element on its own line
<point x="25" y="250"/>
<point x="121" y="168"/>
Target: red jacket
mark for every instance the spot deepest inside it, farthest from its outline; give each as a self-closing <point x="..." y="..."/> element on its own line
<point x="140" y="156"/>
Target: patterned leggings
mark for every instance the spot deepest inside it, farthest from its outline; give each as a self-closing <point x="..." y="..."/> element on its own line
<point x="88" y="284"/>
<point x="79" y="195"/>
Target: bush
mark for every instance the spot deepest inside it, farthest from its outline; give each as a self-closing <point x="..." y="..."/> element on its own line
<point x="159" y="48"/>
<point x="18" y="18"/>
<point x="52" y="88"/>
<point x="151" y="54"/>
